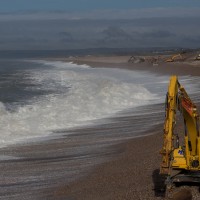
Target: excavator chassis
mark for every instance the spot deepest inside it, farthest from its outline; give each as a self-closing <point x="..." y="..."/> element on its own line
<point x="184" y="177"/>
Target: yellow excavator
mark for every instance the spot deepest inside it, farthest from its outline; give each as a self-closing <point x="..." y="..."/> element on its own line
<point x="180" y="159"/>
<point x="174" y="57"/>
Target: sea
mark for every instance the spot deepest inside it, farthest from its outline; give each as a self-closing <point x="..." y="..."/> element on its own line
<point x="39" y="97"/>
<point x="71" y="113"/>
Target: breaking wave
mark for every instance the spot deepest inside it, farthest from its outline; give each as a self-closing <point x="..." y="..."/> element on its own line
<point x="79" y="95"/>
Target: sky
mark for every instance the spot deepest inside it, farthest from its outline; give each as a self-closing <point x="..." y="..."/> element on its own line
<point x="89" y="5"/>
<point x="66" y="24"/>
<point x="82" y="5"/>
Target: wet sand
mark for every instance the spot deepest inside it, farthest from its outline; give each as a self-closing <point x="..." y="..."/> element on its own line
<point x="99" y="162"/>
<point x="133" y="175"/>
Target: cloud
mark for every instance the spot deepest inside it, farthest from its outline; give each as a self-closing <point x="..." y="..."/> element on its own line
<point x="158" y="34"/>
<point x="191" y="41"/>
<point x="115" y="33"/>
<point x="76" y="34"/>
<point x="66" y="37"/>
<point x="116" y="36"/>
<point x="103" y="14"/>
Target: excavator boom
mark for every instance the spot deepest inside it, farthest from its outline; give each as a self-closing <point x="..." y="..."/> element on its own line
<point x="173" y="58"/>
<point x="170" y="114"/>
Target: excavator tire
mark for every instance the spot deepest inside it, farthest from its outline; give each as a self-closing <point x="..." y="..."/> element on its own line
<point x="178" y="193"/>
<point x="183" y="194"/>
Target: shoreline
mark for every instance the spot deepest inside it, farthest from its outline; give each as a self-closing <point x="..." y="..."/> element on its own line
<point x="179" y="68"/>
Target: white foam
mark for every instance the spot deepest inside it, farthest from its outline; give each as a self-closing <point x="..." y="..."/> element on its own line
<point x="60" y="64"/>
<point x="87" y="95"/>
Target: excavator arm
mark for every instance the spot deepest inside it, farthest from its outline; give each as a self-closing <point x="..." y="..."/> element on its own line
<point x="170" y="119"/>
